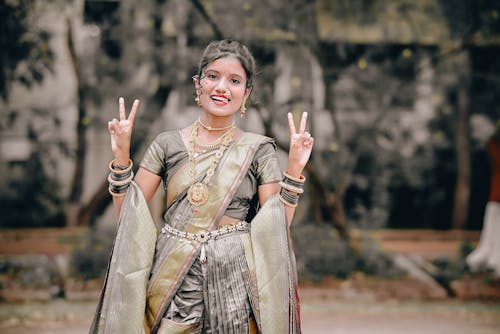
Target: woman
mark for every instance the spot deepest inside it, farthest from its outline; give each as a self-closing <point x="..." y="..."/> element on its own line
<point x="222" y="261"/>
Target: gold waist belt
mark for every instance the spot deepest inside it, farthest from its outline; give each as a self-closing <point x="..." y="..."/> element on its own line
<point x="204" y="236"/>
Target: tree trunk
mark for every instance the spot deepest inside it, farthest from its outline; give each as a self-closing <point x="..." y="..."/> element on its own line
<point x="73" y="206"/>
<point x="462" y="145"/>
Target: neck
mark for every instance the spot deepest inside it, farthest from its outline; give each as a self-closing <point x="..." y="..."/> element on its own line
<point x="213" y="125"/>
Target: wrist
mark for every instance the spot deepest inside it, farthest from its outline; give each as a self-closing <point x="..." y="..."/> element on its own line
<point x="294" y="171"/>
<point x="122" y="160"/>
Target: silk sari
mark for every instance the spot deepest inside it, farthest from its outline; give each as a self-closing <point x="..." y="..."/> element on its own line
<point x="146" y="269"/>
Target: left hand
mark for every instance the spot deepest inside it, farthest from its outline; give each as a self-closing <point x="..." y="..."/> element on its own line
<point x="301" y="144"/>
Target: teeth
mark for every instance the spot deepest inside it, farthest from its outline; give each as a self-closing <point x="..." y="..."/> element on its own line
<point x="220" y="98"/>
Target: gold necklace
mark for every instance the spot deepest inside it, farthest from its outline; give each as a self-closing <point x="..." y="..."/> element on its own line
<point x="198" y="191"/>
<point x="213" y="144"/>
<point x="209" y="128"/>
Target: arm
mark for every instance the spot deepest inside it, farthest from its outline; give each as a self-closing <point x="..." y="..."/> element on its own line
<point x="147" y="181"/>
<point x="121" y="134"/>
<point x="301" y="144"/>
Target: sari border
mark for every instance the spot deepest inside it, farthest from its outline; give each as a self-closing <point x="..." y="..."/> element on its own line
<point x="220" y="211"/>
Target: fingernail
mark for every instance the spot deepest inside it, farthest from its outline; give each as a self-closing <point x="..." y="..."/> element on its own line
<point x="305" y="113"/>
<point x="120" y="99"/>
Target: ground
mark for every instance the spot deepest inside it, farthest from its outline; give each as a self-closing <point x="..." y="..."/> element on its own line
<point x="359" y="304"/>
<point x="320" y="315"/>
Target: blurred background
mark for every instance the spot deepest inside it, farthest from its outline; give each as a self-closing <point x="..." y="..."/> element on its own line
<point x="402" y="97"/>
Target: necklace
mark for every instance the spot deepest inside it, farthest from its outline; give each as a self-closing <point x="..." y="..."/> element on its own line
<point x="198" y="191"/>
<point x="215" y="143"/>
<point x="209" y="128"/>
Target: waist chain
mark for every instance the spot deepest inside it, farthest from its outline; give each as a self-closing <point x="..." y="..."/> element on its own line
<point x="203" y="237"/>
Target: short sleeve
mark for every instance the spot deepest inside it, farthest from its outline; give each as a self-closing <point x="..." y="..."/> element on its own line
<point x="155" y="157"/>
<point x="266" y="165"/>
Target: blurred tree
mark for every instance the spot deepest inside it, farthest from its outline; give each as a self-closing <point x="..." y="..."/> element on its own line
<point x="474" y="24"/>
<point x="25" y="52"/>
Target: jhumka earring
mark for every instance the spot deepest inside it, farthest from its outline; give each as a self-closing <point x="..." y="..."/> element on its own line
<point x="197" y="98"/>
<point x="243" y="108"/>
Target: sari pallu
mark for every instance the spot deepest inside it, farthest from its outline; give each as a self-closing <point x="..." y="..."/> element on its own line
<point x="134" y="302"/>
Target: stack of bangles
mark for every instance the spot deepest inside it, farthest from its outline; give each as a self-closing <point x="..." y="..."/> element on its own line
<point x="119" y="178"/>
<point x="291" y="188"/>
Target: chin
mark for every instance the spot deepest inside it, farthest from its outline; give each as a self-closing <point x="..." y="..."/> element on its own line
<point x="220" y="112"/>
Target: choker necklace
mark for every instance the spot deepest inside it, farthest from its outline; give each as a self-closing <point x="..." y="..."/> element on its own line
<point x="215" y="143"/>
<point x="198" y="190"/>
<point x="209" y="128"/>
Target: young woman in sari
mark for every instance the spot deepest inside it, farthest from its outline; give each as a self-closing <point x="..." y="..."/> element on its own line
<point x="222" y="261"/>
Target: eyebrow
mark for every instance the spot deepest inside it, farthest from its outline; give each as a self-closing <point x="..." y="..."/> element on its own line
<point x="232" y="74"/>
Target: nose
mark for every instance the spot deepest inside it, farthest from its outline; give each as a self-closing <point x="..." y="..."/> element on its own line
<point x="221" y="87"/>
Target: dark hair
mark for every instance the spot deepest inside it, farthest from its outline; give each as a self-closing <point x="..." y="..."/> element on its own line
<point x="224" y="48"/>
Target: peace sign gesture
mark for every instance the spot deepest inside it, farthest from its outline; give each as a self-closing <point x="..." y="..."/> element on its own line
<point x="301" y="144"/>
<point x="121" y="132"/>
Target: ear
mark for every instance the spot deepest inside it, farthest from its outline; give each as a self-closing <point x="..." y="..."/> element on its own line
<point x="248" y="91"/>
<point x="196" y="81"/>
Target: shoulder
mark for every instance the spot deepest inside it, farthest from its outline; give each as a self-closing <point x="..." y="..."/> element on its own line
<point x="258" y="140"/>
<point x="166" y="136"/>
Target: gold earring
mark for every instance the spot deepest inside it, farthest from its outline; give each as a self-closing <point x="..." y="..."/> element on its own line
<point x="197" y="98"/>
<point x="243" y="109"/>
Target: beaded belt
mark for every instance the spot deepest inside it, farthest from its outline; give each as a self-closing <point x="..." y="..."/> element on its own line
<point x="203" y="237"/>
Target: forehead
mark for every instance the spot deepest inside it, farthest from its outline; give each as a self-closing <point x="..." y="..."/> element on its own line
<point x="227" y="65"/>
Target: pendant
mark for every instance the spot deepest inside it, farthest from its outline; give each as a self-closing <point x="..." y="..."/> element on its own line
<point x="197" y="194"/>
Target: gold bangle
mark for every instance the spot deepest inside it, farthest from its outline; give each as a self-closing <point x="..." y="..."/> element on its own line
<point x="300" y="179"/>
<point x="119" y="183"/>
<point x="116" y="194"/>
<point x="121" y="171"/>
<point x="291" y="188"/>
<point x="286" y="202"/>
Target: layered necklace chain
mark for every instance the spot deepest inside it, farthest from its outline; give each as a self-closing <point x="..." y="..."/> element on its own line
<point x="198" y="191"/>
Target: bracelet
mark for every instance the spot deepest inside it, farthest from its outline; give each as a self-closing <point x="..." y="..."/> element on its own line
<point x="120" y="182"/>
<point x="298" y="190"/>
<point x="289" y="197"/>
<point x="116" y="194"/>
<point x="119" y="189"/>
<point x="117" y="169"/>
<point x="301" y="179"/>
<point x="286" y="202"/>
<point x="120" y="177"/>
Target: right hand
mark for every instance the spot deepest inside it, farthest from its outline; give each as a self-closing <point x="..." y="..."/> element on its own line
<point x="121" y="132"/>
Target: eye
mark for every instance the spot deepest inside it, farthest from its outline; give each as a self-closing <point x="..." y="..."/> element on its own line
<point x="235" y="81"/>
<point x="212" y="76"/>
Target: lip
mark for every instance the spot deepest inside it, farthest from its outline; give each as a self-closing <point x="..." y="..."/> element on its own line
<point x="220" y="99"/>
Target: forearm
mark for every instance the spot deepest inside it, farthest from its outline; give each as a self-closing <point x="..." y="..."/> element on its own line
<point x="294" y="172"/>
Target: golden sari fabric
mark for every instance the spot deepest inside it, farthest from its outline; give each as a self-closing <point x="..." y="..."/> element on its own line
<point x="141" y="282"/>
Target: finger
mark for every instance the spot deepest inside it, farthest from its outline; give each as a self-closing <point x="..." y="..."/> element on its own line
<point x="112" y="126"/>
<point x="121" y="108"/>
<point x="303" y="122"/>
<point x="133" y="111"/>
<point x="291" y="124"/>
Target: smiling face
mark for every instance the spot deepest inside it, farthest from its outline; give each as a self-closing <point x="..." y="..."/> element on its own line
<point x="223" y="87"/>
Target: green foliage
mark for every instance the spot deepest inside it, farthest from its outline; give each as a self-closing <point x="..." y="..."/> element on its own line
<point x="30" y="271"/>
<point x="20" y="44"/>
<point x="449" y="269"/>
<point x="31" y="196"/>
<point x="89" y="261"/>
<point x="320" y="252"/>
